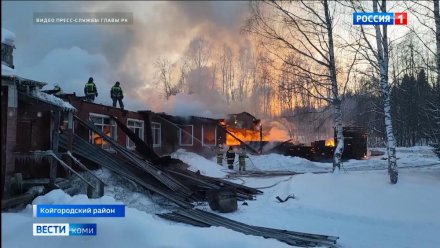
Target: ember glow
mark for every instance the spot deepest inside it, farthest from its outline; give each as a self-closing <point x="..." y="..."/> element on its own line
<point x="245" y="135"/>
<point x="330" y="142"/>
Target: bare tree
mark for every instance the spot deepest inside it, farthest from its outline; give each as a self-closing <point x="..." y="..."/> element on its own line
<point x="305" y="29"/>
<point x="378" y="56"/>
<point x="164" y="74"/>
<point x="198" y="53"/>
<point x="427" y="24"/>
<point x="383" y="59"/>
<point x="227" y="73"/>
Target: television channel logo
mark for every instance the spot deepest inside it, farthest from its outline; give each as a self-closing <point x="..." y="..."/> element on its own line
<point x="63" y="229"/>
<point x="380" y="18"/>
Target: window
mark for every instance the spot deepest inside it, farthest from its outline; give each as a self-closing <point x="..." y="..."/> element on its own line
<point x="107" y="126"/>
<point x="209" y="135"/>
<point x="156" y="133"/>
<point x="137" y="126"/>
<point x="186" y="135"/>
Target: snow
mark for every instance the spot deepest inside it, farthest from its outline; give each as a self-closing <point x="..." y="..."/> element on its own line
<point x="7" y="71"/>
<point x="407" y="157"/>
<point x="136" y="229"/>
<point x="198" y="163"/>
<point x="361" y="207"/>
<point x="8" y="37"/>
<point x="53" y="100"/>
<point x="277" y="162"/>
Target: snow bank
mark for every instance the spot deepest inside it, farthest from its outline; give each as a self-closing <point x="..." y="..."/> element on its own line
<point x="53" y="100"/>
<point x="137" y="229"/>
<point x="277" y="162"/>
<point x="8" y="37"/>
<point x="199" y="163"/>
<point x="362" y="208"/>
<point x="407" y="157"/>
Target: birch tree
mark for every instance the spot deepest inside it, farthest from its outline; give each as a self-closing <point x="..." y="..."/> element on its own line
<point x="382" y="60"/>
<point x="305" y="29"/>
<point x="379" y="47"/>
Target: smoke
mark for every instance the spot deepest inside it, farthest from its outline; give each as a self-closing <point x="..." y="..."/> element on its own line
<point x="202" y="100"/>
<point x="277" y="131"/>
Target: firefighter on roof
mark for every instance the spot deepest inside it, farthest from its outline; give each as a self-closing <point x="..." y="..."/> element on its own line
<point x="117" y="95"/>
<point x="90" y="90"/>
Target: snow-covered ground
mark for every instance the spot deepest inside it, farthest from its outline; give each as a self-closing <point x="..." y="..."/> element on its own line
<point x="419" y="156"/>
<point x="361" y="207"/>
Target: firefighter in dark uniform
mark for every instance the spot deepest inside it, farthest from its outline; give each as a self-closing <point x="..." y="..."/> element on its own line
<point x="230" y="157"/>
<point x="241" y="159"/>
<point x="117" y="95"/>
<point x="90" y="90"/>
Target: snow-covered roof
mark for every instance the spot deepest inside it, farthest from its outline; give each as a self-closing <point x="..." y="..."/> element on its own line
<point x="7" y="71"/>
<point x="8" y="37"/>
<point x="51" y="99"/>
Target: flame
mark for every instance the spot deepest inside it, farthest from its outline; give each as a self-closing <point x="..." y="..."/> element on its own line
<point x="97" y="140"/>
<point x="243" y="134"/>
<point x="330" y="142"/>
<point x="277" y="134"/>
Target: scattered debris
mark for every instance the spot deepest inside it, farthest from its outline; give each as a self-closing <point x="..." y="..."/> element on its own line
<point x="202" y="218"/>
<point x="222" y="201"/>
<point x="184" y="187"/>
<point x="291" y="196"/>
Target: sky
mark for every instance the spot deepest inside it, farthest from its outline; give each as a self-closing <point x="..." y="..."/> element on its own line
<point x="69" y="54"/>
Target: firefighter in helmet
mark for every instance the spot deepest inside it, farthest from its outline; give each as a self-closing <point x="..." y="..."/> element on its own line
<point x="241" y="159"/>
<point x="117" y="95"/>
<point x="230" y="158"/>
<point x="90" y="90"/>
<point x="219" y="154"/>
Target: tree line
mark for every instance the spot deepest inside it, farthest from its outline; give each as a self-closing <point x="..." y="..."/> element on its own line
<point x="306" y="57"/>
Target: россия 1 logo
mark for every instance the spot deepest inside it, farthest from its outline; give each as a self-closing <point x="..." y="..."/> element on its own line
<point x="380" y="18"/>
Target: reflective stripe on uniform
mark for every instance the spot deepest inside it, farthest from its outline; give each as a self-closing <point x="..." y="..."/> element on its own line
<point x="117" y="90"/>
<point x="89" y="88"/>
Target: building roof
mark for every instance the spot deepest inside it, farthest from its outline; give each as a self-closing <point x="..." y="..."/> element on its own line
<point x="51" y="100"/>
<point x="183" y="120"/>
<point x="21" y="81"/>
<point x="7" y="71"/>
<point x="8" y="37"/>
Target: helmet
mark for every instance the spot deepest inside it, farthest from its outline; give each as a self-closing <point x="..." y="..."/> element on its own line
<point x="90" y="79"/>
<point x="117" y="83"/>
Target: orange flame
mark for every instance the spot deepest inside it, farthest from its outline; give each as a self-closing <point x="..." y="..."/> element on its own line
<point x="244" y="135"/>
<point x="97" y="140"/>
<point x="330" y="142"/>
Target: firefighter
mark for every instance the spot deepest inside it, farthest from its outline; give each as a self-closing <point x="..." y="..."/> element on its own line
<point x="230" y="157"/>
<point x="117" y="95"/>
<point x="241" y="159"/>
<point x="90" y="90"/>
<point x="219" y="154"/>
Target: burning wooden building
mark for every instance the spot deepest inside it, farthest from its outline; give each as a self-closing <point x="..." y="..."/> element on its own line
<point x="31" y="122"/>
